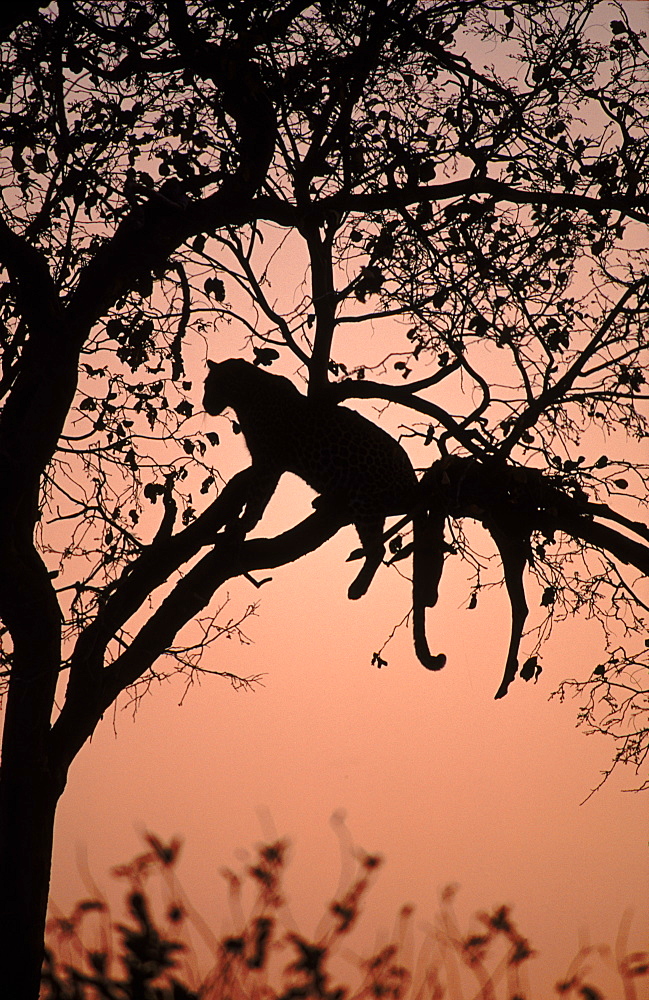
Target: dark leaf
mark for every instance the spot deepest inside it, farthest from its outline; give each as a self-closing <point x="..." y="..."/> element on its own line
<point x="265" y="355"/>
<point x="440" y="297"/>
<point x="427" y="171"/>
<point x="152" y="491"/>
<point x="369" y="283"/>
<point x="215" y="288"/>
<point x="40" y="162"/>
<point x="531" y="668"/>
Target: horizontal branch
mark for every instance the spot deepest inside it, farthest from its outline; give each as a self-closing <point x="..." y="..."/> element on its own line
<point x="600" y="536"/>
<point x="603" y="510"/>
<point x="635" y="208"/>
<point x="528" y="500"/>
<point x="519" y="500"/>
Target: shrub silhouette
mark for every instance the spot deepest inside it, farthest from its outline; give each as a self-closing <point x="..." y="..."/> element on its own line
<point x="150" y="958"/>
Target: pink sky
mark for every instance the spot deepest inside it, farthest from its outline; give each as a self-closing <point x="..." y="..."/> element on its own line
<point x="446" y="783"/>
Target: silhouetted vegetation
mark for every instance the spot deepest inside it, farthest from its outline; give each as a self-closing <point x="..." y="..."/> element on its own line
<point x="151" y="957"/>
<point x="441" y="206"/>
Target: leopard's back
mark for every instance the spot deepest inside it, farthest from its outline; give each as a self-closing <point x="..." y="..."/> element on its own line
<point x="338" y="452"/>
<point x="347" y="455"/>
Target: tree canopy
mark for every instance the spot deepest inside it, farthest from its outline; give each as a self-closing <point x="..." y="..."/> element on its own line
<point x="280" y="181"/>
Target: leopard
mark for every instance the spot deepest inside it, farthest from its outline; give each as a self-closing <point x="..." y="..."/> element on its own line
<point x="350" y="462"/>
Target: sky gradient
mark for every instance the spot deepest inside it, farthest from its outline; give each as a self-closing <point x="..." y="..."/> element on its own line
<point x="432" y="773"/>
<point x="446" y="783"/>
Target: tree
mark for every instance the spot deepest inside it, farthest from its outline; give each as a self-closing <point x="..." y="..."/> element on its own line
<point x="162" y="163"/>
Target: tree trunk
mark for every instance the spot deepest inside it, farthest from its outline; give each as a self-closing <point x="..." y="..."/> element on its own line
<point x="30" y="781"/>
<point x="28" y="798"/>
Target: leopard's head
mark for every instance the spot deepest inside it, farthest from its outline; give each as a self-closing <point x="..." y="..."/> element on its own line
<point x="222" y="382"/>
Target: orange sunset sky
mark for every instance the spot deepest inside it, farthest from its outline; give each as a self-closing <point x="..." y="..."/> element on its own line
<point x="445" y="783"/>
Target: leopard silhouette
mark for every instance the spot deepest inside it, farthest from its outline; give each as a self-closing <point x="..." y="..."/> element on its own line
<point x="353" y="465"/>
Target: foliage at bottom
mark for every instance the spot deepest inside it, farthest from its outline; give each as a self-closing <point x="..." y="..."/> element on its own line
<point x="152" y="957"/>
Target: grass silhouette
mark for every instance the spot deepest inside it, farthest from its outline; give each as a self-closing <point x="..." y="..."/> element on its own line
<point x="151" y="957"/>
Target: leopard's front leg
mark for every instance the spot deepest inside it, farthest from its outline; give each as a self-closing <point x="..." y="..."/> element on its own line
<point x="260" y="486"/>
<point x="370" y="533"/>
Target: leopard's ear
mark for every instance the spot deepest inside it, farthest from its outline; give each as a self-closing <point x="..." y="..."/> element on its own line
<point x="212" y="365"/>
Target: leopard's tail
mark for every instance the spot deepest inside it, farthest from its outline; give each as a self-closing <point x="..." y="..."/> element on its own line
<point x="427" y="566"/>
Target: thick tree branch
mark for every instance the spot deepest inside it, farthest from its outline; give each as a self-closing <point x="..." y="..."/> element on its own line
<point x="324" y="306"/>
<point x="600" y="536"/>
<point x="384" y="200"/>
<point x="227" y="558"/>
<point x="150" y="234"/>
<point x="150" y="570"/>
<point x="284" y="213"/>
<point x="528" y="499"/>
<point x="603" y="510"/>
<point x="37" y="299"/>
<point x="512" y="503"/>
